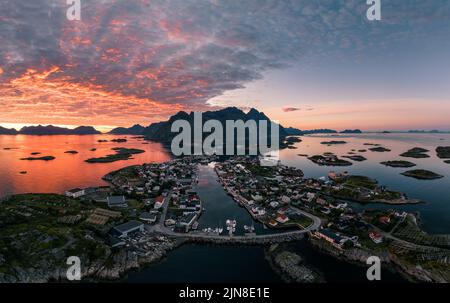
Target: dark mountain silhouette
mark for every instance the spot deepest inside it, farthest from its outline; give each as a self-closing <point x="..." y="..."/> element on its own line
<point x="319" y="131"/>
<point x="55" y="130"/>
<point x="134" y="130"/>
<point x="291" y="131"/>
<point x="8" y="131"/>
<point x="351" y="131"/>
<point x="161" y="131"/>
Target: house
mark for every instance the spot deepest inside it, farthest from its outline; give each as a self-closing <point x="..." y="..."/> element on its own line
<point x="148" y="217"/>
<point x="376" y="237"/>
<point x="285" y="199"/>
<point x="337" y="176"/>
<point x="159" y="202"/>
<point x="274" y="204"/>
<point x="310" y="196"/>
<point x="125" y="229"/>
<point x="282" y="210"/>
<point x="342" y="206"/>
<point x="331" y="237"/>
<point x="325" y="210"/>
<point x="273" y="223"/>
<point x="188" y="219"/>
<point x="281" y="218"/>
<point x="170" y="222"/>
<point x="116" y="201"/>
<point x="321" y="201"/>
<point x="257" y="198"/>
<point x="384" y="220"/>
<point x="75" y="193"/>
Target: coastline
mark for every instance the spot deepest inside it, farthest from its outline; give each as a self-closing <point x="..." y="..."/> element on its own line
<point x="126" y="263"/>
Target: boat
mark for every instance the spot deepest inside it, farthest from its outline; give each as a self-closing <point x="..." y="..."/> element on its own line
<point x="231" y="226"/>
<point x="231" y="223"/>
<point x="249" y="229"/>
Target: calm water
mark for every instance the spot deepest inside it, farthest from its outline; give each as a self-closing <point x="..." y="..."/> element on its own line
<point x="209" y="264"/>
<point x="67" y="170"/>
<point x="219" y="205"/>
<point x="435" y="213"/>
<point x="245" y="264"/>
<point x="231" y="263"/>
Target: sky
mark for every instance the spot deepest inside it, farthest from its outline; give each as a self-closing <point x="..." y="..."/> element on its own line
<point x="308" y="64"/>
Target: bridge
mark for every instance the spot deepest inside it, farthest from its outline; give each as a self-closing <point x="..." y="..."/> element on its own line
<point x="159" y="228"/>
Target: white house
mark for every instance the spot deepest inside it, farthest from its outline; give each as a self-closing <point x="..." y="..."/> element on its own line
<point x="75" y="193"/>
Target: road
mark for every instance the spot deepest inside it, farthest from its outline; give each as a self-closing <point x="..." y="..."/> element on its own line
<point x="162" y="229"/>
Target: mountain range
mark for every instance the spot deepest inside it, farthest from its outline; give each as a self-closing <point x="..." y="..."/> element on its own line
<point x="160" y="131"/>
<point x="134" y="130"/>
<point x="8" y="131"/>
<point x="351" y="131"/>
<point x="49" y="130"/>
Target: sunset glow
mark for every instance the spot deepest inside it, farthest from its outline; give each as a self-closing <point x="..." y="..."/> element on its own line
<point x="129" y="62"/>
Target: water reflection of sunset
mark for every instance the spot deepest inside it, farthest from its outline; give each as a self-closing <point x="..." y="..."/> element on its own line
<point x="67" y="170"/>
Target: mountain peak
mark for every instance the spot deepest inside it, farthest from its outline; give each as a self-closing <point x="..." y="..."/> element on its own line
<point x="253" y="110"/>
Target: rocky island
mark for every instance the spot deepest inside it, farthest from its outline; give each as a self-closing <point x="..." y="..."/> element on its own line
<point x="44" y="158"/>
<point x="290" y="266"/>
<point x="333" y="142"/>
<point x="363" y="189"/>
<point x="416" y="152"/>
<point x="422" y="174"/>
<point x="329" y="160"/>
<point x="379" y="149"/>
<point x="443" y="152"/>
<point x="398" y="163"/>
<point x="120" y="140"/>
<point x="121" y="154"/>
<point x="72" y="152"/>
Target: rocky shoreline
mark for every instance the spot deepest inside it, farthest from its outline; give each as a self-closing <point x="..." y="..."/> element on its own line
<point x="394" y="264"/>
<point x="290" y="266"/>
<point x="113" y="267"/>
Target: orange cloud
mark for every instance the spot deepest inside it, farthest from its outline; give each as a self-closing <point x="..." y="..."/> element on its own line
<point x="50" y="97"/>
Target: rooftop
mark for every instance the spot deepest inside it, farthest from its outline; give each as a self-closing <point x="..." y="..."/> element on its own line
<point x="75" y="190"/>
<point x="116" y="199"/>
<point x="130" y="225"/>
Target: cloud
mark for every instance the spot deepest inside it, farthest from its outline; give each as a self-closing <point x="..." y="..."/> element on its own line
<point x="294" y="109"/>
<point x="140" y="60"/>
<point x="290" y="109"/>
